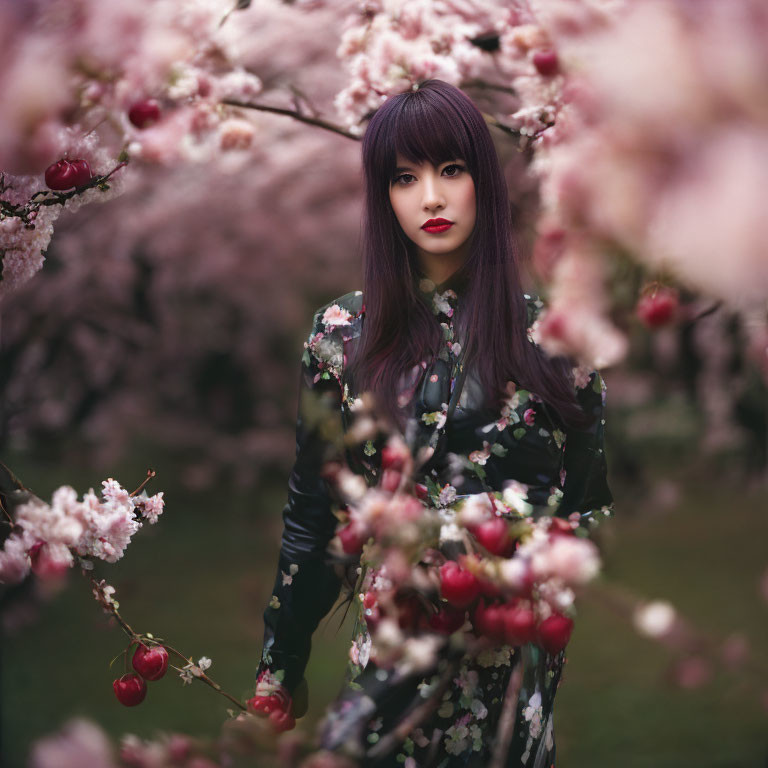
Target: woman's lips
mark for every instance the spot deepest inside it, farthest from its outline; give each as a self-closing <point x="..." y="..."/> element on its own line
<point x="435" y="228"/>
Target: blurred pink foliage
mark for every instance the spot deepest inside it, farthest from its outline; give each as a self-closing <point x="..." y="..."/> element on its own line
<point x="167" y="312"/>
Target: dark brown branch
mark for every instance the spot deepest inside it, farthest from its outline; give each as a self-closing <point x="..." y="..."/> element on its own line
<point x="508" y="715"/>
<point x="47" y="197"/>
<point x="398" y="734"/>
<point x="316" y="121"/>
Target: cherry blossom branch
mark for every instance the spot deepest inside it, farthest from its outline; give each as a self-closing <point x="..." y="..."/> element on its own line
<point x="486" y="86"/>
<point x="200" y="675"/>
<point x="8" y="481"/>
<point x="45" y="197"/>
<point x="7" y="514"/>
<point x="111" y="607"/>
<point x="328" y="126"/>
<point x="666" y="626"/>
<point x="316" y="121"/>
<point x="494" y="123"/>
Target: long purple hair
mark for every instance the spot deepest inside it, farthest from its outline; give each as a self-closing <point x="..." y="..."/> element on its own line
<point x="438" y="122"/>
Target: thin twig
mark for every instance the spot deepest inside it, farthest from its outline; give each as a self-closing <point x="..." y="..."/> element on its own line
<point x="477" y="83"/>
<point x="207" y="680"/>
<point x="492" y="121"/>
<point x="137" y="638"/>
<point x="295" y="115"/>
<point x="6" y="513"/>
<point x="150" y="474"/>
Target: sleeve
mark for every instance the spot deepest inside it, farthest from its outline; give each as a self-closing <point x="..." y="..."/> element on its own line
<point x="585" y="488"/>
<point x="306" y="584"/>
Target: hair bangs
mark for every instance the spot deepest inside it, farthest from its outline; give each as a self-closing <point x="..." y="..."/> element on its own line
<point x="428" y="129"/>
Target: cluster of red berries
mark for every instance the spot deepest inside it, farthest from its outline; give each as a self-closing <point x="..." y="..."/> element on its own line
<point x="277" y="706"/>
<point x="151" y="663"/>
<point x="503" y="621"/>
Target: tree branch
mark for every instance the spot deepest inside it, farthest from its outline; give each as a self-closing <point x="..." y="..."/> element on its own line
<point x="316" y="121"/>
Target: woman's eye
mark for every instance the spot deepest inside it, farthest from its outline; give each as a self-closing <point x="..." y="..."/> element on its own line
<point x="457" y="168"/>
<point x="403" y="176"/>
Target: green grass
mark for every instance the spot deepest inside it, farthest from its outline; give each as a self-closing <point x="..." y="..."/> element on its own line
<point x="201" y="578"/>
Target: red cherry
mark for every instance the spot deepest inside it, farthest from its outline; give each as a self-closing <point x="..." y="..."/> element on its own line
<point x="265" y="704"/>
<point x="67" y="174"/>
<point x="282" y="721"/>
<point x="546" y="63"/>
<point x="352" y="538"/>
<point x="130" y="689"/>
<point x="494" y="536"/>
<point x="554" y="633"/>
<point x="151" y="662"/>
<point x="457" y="586"/>
<point x="370" y="599"/>
<point x="390" y="480"/>
<point x="447" y="620"/>
<point x="144" y="113"/>
<point x="488" y="620"/>
<point x="658" y="308"/>
<point x="519" y="624"/>
<point x="392" y="457"/>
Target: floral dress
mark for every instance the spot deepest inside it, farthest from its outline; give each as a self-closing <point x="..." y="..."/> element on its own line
<point x="477" y="449"/>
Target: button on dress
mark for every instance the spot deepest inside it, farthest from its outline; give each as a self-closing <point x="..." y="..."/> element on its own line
<point x="476" y="449"/>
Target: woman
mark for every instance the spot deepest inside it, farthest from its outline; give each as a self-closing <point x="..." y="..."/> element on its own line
<point x="441" y="337"/>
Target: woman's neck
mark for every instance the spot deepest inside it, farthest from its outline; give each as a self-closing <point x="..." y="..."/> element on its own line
<point x="439" y="267"/>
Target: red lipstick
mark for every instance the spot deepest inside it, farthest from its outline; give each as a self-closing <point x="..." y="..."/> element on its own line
<point x="433" y="226"/>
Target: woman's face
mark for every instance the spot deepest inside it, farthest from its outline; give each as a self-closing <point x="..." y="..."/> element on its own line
<point x="424" y="192"/>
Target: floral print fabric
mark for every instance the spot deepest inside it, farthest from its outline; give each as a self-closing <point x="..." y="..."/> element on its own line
<point x="521" y="449"/>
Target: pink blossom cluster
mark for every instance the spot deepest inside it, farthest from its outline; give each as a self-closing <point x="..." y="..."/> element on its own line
<point x="81" y="742"/>
<point x="435" y="564"/>
<point x="389" y="46"/>
<point x="47" y="538"/>
<point x="658" y="154"/>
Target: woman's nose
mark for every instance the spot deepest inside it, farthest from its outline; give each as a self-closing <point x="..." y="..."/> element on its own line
<point x="433" y="196"/>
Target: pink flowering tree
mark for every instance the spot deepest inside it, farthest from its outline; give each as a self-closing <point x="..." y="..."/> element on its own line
<point x="222" y="144"/>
